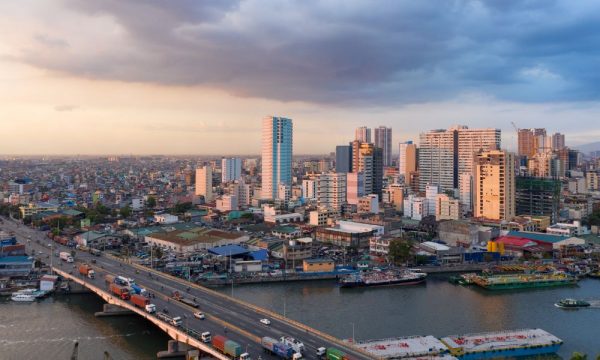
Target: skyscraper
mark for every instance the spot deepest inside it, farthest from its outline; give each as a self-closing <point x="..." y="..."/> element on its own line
<point x="204" y="183"/>
<point x="407" y="161"/>
<point x="438" y="159"/>
<point x="558" y="141"/>
<point x="538" y="196"/>
<point x="277" y="147"/>
<point x="363" y="134"/>
<point x="231" y="169"/>
<point x="494" y="185"/>
<point x="383" y="140"/>
<point x="526" y="143"/>
<point x="355" y="187"/>
<point x="370" y="163"/>
<point x="343" y="159"/>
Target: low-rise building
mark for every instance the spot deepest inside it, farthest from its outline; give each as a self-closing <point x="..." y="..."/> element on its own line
<point x="165" y="219"/>
<point x="323" y="216"/>
<point x="286" y="232"/>
<point x="34" y="208"/>
<point x="318" y="265"/>
<point x="349" y="234"/>
<point x="368" y="204"/>
<point x="195" y="239"/>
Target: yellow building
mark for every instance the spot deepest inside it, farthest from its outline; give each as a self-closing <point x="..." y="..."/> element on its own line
<point x="318" y="265"/>
<point x="494" y="180"/>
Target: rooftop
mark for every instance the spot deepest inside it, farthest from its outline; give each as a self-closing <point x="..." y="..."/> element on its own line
<point x="229" y="250"/>
<point x="196" y="235"/>
<point x="538" y="236"/>
<point x="501" y="340"/>
<point x="416" y="346"/>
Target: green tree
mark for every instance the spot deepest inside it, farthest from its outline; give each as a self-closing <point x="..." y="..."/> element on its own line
<point x="151" y="202"/>
<point x="157" y="252"/>
<point x="181" y="208"/>
<point x="399" y="252"/>
<point x="578" y="356"/>
<point x="125" y="212"/>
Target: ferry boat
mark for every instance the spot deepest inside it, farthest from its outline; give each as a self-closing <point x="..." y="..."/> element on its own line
<point x="382" y="278"/>
<point x="523" y="281"/>
<point x="572" y="304"/>
<point x="504" y="344"/>
<point x="21" y="297"/>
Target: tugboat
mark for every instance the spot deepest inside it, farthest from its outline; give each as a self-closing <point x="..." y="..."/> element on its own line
<point x="572" y="304"/>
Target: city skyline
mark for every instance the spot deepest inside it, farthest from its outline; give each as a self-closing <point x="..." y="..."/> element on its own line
<point x="63" y="100"/>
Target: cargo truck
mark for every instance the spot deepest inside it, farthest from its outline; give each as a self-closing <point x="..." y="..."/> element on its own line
<point x="297" y="345"/>
<point x="139" y="301"/>
<point x="121" y="280"/>
<point x="281" y="350"/>
<point x="228" y="347"/>
<point x="87" y="270"/>
<point x="138" y="289"/>
<point x="120" y="291"/>
<point x="335" y="354"/>
<point x="65" y="256"/>
<point x="150" y="308"/>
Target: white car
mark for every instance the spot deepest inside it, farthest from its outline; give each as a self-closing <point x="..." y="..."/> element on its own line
<point x="265" y="321"/>
<point x="199" y="315"/>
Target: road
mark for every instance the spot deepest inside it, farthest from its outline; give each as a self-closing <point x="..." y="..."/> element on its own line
<point x="224" y="316"/>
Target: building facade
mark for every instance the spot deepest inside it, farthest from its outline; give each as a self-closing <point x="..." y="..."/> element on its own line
<point x="204" y="183"/>
<point x="494" y="180"/>
<point x="383" y="140"/>
<point x="277" y="147"/>
<point x="231" y="169"/>
<point x="407" y="161"/>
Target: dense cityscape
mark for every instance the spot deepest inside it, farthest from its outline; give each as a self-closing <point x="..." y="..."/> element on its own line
<point x="290" y="180"/>
<point x="454" y="202"/>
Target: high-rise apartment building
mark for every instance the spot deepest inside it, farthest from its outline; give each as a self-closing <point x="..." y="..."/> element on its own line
<point x="231" y="169"/>
<point x="438" y="159"/>
<point x="343" y="158"/>
<point x="363" y="134"/>
<point x="407" y="161"/>
<point x="383" y="140"/>
<point x="558" y="141"/>
<point x="277" y="146"/>
<point x="526" y="146"/>
<point x="309" y="189"/>
<point x="204" y="183"/>
<point x="494" y="180"/>
<point x="370" y="163"/>
<point x="355" y="187"/>
<point x="331" y="188"/>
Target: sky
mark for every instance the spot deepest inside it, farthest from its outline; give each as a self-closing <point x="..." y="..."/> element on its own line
<point x="197" y="77"/>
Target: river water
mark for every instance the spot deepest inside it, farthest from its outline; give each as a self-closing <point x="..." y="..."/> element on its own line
<point x="46" y="330"/>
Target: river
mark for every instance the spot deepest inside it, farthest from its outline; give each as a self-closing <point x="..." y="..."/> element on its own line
<point x="46" y="330"/>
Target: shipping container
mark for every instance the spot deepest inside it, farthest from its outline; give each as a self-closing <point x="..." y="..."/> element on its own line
<point x="232" y="349"/>
<point x="120" y="291"/>
<point x="139" y="301"/>
<point x="218" y="342"/>
<point x="86" y="270"/>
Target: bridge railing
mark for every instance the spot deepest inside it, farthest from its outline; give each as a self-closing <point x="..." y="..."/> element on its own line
<point x="173" y="332"/>
<point x="257" y="309"/>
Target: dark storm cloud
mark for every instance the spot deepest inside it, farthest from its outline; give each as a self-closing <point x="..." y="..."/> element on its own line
<point x="351" y="52"/>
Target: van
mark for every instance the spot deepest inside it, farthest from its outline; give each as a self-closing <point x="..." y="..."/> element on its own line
<point x="176" y="321"/>
<point x="205" y="337"/>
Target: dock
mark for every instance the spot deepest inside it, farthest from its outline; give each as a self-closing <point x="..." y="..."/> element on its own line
<point x="404" y="348"/>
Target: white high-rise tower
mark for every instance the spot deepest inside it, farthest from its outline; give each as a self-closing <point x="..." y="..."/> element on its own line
<point x="277" y="146"/>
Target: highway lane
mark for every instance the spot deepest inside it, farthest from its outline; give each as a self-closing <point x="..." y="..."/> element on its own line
<point x="242" y="322"/>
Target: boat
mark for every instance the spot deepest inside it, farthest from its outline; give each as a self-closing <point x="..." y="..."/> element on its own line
<point x="388" y="277"/>
<point x="572" y="304"/>
<point x="503" y="344"/>
<point x="524" y="281"/>
<point x="595" y="274"/>
<point x="21" y="297"/>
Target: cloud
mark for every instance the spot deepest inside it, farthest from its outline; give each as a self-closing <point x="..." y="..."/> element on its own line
<point x="65" y="107"/>
<point x="392" y="52"/>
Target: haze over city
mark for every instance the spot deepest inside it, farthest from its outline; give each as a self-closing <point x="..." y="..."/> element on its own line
<point x="114" y="77"/>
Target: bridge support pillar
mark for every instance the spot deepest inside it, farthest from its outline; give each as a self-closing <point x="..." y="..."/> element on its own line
<point x="178" y="351"/>
<point x="113" y="310"/>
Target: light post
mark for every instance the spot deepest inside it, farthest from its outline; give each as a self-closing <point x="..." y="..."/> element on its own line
<point x="353" y="340"/>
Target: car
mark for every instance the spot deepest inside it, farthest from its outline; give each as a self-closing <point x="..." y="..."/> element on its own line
<point x="49" y="245"/>
<point x="199" y="315"/>
<point x="265" y="321"/>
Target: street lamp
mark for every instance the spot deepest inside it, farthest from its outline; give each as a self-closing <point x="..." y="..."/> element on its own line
<point x="353" y="340"/>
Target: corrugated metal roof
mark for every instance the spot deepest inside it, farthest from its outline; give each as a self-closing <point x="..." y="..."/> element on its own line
<point x="538" y="236"/>
<point x="228" y="250"/>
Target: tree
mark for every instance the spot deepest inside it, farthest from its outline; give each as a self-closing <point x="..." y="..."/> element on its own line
<point x="157" y="252"/>
<point x="578" y="356"/>
<point x="399" y="252"/>
<point x="181" y="208"/>
<point x="429" y="225"/>
<point x="151" y="202"/>
<point x="125" y="212"/>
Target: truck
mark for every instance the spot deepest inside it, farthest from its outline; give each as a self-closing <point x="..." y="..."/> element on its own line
<point x="65" y="256"/>
<point x="150" y="308"/>
<point x="175" y="321"/>
<point x="120" y="291"/>
<point x="335" y="354"/>
<point x="138" y="289"/>
<point x="139" y="301"/>
<point x="298" y="346"/>
<point x="86" y="270"/>
<point x="95" y="252"/>
<point x="227" y="347"/>
<point x="278" y="349"/>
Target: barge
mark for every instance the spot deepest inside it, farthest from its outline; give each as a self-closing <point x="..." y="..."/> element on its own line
<point x="523" y="281"/>
<point x="504" y="344"/>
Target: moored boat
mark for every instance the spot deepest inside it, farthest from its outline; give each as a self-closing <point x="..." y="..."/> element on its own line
<point x="21" y="297"/>
<point x="382" y="278"/>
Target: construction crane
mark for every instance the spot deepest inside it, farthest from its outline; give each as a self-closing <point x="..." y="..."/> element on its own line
<point x="515" y="126"/>
<point x="75" y="353"/>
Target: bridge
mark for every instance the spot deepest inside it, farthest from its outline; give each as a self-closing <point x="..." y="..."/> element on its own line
<point x="225" y="315"/>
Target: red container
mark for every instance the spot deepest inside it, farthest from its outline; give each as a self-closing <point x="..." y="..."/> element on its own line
<point x="139" y="301"/>
<point x="218" y="342"/>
